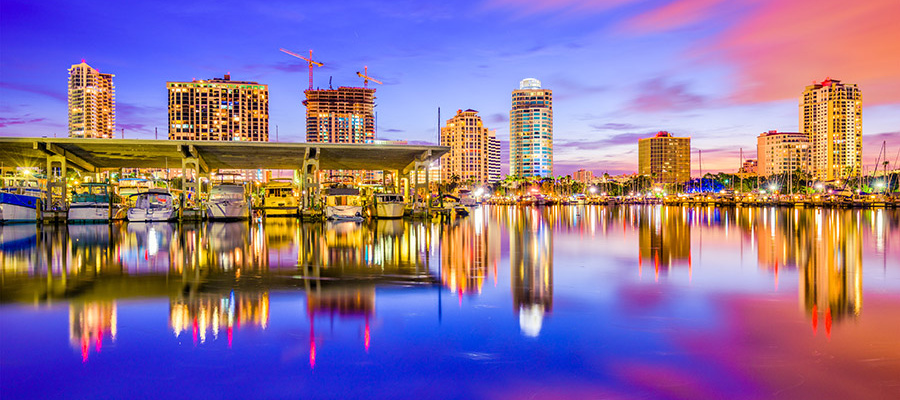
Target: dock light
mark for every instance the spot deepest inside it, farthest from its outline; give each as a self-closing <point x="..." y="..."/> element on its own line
<point x="593" y="190"/>
<point x="773" y="187"/>
<point x="27" y="172"/>
<point x="879" y="184"/>
<point x="479" y="192"/>
<point x="820" y="186"/>
<point x="603" y="194"/>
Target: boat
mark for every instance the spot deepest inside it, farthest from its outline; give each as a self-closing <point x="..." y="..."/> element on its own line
<point x="466" y="199"/>
<point x="95" y="204"/>
<point x="343" y="203"/>
<point x="153" y="205"/>
<point x="388" y="205"/>
<point x="227" y="201"/>
<point x="20" y="203"/>
<point x="279" y="199"/>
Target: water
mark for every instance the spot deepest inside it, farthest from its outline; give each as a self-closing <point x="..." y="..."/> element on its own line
<point x="564" y="302"/>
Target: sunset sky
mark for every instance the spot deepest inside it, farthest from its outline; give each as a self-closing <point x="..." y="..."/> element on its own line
<point x="719" y="71"/>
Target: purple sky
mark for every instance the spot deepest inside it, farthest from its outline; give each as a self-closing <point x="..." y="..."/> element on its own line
<point x="720" y="71"/>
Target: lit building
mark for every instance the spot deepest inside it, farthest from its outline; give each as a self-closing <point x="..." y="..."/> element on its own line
<point x="92" y="103"/>
<point x="342" y="115"/>
<point x="749" y="167"/>
<point x="531" y="130"/>
<point x="665" y="158"/>
<point x="494" y="160"/>
<point x="583" y="176"/>
<point x="831" y="117"/>
<point x="218" y="109"/>
<point x="470" y="148"/>
<point x="781" y="152"/>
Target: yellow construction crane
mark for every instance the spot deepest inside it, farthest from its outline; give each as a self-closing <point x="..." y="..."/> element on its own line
<point x="308" y="60"/>
<point x="367" y="78"/>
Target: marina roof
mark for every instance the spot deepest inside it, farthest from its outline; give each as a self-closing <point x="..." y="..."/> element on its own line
<point x="107" y="154"/>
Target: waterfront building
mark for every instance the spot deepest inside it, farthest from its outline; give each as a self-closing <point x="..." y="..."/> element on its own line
<point x="470" y="147"/>
<point x="780" y="152"/>
<point x="750" y="167"/>
<point x="342" y="115"/>
<point x="831" y="118"/>
<point x="665" y="158"/>
<point x="531" y="130"/>
<point x="218" y="109"/>
<point x="493" y="160"/>
<point x="92" y="103"/>
<point x="583" y="176"/>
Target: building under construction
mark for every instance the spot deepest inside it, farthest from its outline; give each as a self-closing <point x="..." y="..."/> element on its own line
<point x="342" y="115"/>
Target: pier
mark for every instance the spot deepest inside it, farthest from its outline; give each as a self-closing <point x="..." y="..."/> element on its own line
<point x="407" y="163"/>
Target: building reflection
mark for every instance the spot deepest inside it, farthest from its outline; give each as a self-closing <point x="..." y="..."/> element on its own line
<point x="531" y="269"/>
<point x="210" y="314"/>
<point x="91" y="323"/>
<point x="664" y="238"/>
<point x="469" y="254"/>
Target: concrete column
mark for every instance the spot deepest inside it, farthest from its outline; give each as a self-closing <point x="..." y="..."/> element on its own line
<point x="56" y="183"/>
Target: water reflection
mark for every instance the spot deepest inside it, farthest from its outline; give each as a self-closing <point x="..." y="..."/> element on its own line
<point x="89" y="324"/>
<point x="218" y="276"/>
<point x="531" y="267"/>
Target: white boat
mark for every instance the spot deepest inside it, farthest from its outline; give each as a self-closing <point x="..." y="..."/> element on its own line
<point x="153" y="206"/>
<point x="343" y="204"/>
<point x="19" y="204"/>
<point x="227" y="201"/>
<point x="466" y="199"/>
<point x="388" y="205"/>
<point x="94" y="204"/>
<point x="279" y="199"/>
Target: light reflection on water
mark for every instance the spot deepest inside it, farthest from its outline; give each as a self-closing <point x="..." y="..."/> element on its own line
<point x="621" y="301"/>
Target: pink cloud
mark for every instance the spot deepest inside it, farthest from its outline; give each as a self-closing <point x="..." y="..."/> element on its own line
<point x="674" y="15"/>
<point x="783" y="46"/>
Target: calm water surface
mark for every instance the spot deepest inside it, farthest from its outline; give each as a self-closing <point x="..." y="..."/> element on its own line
<point x="566" y="302"/>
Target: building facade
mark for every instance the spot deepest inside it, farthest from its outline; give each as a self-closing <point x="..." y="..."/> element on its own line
<point x="583" y="176"/>
<point x="218" y="109"/>
<point x="831" y="117"/>
<point x="342" y="115"/>
<point x="470" y="148"/>
<point x="781" y="152"/>
<point x="531" y="130"/>
<point x="494" y="172"/>
<point x="92" y="103"/>
<point x="665" y="158"/>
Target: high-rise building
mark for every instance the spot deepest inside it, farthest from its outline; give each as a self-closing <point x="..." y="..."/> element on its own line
<point x="493" y="160"/>
<point x="665" y="158"/>
<point x="583" y="176"/>
<point x="342" y="115"/>
<point x="470" y="148"/>
<point x="92" y="103"/>
<point x="781" y="152"/>
<point x="218" y="109"/>
<point x="831" y="117"/>
<point x="531" y="130"/>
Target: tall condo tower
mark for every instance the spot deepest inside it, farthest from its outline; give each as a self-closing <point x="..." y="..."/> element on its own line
<point x="665" y="158"/>
<point x="470" y="148"/>
<point x="218" y="109"/>
<point x="531" y="130"/>
<point x="342" y="115"/>
<point x="831" y="117"/>
<point x="92" y="103"/>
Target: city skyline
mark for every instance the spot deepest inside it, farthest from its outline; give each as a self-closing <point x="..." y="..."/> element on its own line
<point x="719" y="72"/>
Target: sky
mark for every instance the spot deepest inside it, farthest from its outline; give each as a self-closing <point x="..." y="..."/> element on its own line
<point x="719" y="71"/>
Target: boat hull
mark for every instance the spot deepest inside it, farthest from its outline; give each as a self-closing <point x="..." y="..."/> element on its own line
<point x="344" y="212"/>
<point x="11" y="213"/>
<point x="93" y="212"/>
<point x="228" y="210"/>
<point x="151" y="215"/>
<point x="389" y="210"/>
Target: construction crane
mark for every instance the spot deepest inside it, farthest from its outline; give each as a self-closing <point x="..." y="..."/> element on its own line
<point x="367" y="78"/>
<point x="308" y="60"/>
